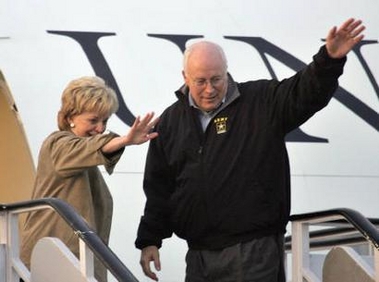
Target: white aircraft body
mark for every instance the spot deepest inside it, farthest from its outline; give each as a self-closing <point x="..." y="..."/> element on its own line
<point x="137" y="47"/>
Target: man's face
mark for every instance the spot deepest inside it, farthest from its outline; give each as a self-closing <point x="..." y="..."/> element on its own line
<point x="207" y="80"/>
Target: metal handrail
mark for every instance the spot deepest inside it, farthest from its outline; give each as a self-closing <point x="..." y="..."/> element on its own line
<point x="331" y="236"/>
<point x="82" y="230"/>
<point x="338" y="227"/>
<point x="362" y="224"/>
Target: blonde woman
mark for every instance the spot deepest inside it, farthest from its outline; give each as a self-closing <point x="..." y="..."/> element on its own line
<point x="68" y="164"/>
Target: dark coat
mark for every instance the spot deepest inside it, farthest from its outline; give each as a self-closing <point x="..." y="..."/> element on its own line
<point x="230" y="183"/>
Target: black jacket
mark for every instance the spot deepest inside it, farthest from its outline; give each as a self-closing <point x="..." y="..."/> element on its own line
<point x="230" y="183"/>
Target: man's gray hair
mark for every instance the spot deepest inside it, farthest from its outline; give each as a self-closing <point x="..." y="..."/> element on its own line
<point x="199" y="44"/>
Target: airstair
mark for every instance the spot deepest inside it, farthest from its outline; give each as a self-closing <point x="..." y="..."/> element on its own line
<point x="51" y="260"/>
<point x="338" y="245"/>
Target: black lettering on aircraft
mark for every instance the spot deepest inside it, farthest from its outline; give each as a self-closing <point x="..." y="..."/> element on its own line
<point x="89" y="43"/>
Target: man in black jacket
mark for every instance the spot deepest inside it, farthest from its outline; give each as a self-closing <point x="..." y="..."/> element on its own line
<point x="218" y="175"/>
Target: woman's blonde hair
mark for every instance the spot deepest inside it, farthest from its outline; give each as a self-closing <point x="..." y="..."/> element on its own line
<point x="86" y="94"/>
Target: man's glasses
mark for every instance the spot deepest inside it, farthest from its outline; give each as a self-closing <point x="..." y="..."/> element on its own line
<point x="215" y="81"/>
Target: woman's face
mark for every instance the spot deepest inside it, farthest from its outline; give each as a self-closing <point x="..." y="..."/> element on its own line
<point x="88" y="124"/>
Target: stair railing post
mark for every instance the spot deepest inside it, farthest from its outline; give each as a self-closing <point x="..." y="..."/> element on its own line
<point x="13" y="252"/>
<point x="376" y="262"/>
<point x="300" y="249"/>
<point x="86" y="260"/>
<point x="3" y="245"/>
